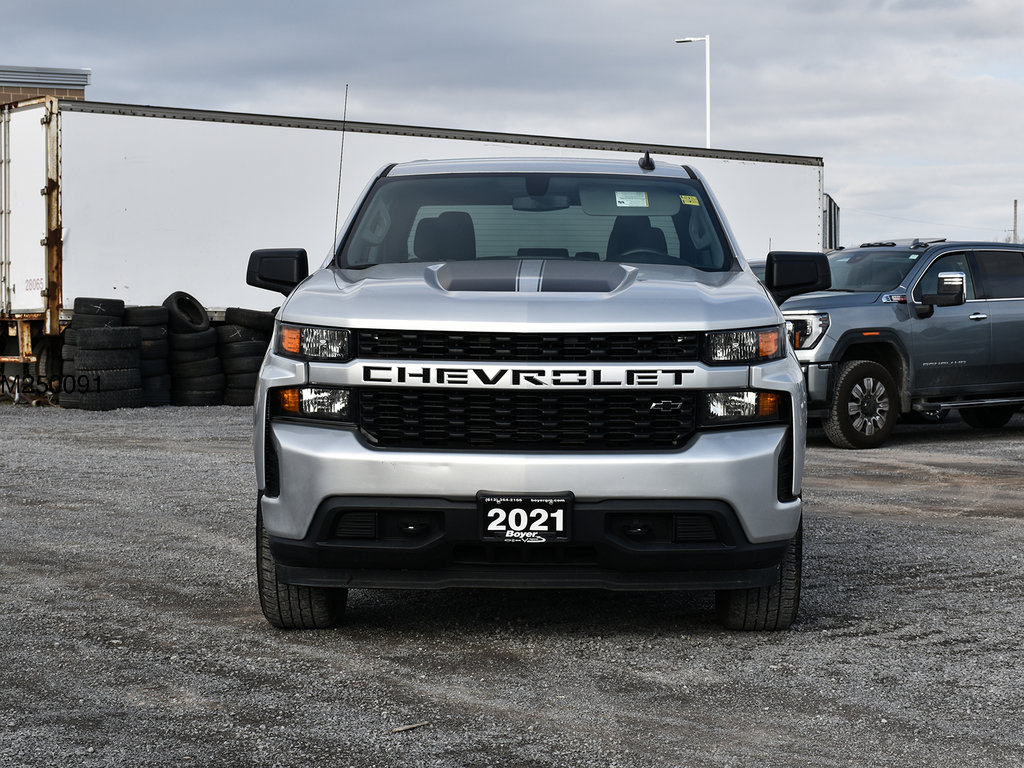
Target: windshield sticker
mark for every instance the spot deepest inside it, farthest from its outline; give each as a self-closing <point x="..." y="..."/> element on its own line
<point x="631" y="200"/>
<point x="913" y="256"/>
<point x="689" y="200"/>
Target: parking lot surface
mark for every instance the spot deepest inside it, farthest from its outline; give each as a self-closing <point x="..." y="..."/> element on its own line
<point x="131" y="633"/>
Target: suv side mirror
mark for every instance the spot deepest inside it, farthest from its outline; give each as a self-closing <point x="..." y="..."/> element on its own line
<point x="950" y="292"/>
<point x="790" y="273"/>
<point x="277" y="269"/>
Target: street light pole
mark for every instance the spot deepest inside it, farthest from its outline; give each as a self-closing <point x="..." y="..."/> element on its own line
<point x="707" y="80"/>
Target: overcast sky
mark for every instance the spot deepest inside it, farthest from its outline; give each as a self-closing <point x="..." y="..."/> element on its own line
<point x="916" y="106"/>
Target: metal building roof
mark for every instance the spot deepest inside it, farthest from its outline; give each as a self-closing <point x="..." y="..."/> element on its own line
<point x="45" y="76"/>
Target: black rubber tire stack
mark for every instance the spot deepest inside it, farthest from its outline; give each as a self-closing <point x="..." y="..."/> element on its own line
<point x="108" y="358"/>
<point x="70" y="397"/>
<point x="89" y="313"/>
<point x="242" y="344"/>
<point x="154" y="352"/>
<point x="196" y="374"/>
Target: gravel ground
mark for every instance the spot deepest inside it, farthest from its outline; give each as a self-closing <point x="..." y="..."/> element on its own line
<point x="131" y="634"/>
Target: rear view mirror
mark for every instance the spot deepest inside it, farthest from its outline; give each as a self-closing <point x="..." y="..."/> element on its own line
<point x="790" y="273"/>
<point x="277" y="269"/>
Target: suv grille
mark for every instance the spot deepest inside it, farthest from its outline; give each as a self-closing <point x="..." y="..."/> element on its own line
<point x="524" y="421"/>
<point x="518" y="347"/>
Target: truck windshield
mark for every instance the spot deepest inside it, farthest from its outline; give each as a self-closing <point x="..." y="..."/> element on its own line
<point x="586" y="217"/>
<point x="870" y="270"/>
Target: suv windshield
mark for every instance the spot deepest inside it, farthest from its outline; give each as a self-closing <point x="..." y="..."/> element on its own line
<point x="870" y="270"/>
<point x="536" y="216"/>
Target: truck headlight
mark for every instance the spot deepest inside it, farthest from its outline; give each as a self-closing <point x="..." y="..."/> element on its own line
<point x="329" y="403"/>
<point x="309" y="342"/>
<point x="806" y="328"/>
<point x="752" y="345"/>
<point x="741" y="407"/>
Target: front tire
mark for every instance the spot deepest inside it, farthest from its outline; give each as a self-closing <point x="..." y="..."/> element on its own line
<point x="988" y="416"/>
<point x="766" y="608"/>
<point x="863" y="410"/>
<point x="289" y="606"/>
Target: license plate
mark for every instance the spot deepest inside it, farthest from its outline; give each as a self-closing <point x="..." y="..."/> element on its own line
<point x="524" y="518"/>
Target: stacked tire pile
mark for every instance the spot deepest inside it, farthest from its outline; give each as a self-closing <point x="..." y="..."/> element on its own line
<point x="196" y="374"/>
<point x="90" y="313"/>
<point x="242" y="342"/>
<point x="108" y="361"/>
<point x="154" y="364"/>
<point x="118" y="357"/>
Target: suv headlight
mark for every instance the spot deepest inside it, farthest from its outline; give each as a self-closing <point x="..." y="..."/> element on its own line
<point x="751" y="345"/>
<point x="806" y="329"/>
<point x="307" y="342"/>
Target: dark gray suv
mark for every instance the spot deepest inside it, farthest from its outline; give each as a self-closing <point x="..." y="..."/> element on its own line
<point x="913" y="327"/>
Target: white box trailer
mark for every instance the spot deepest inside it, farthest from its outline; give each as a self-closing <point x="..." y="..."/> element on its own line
<point x="136" y="202"/>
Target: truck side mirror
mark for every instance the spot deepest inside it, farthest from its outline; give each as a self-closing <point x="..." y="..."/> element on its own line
<point x="790" y="273"/>
<point x="950" y="291"/>
<point x="277" y="269"/>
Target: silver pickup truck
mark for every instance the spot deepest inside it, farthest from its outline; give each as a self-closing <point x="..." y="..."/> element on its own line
<point x="527" y="373"/>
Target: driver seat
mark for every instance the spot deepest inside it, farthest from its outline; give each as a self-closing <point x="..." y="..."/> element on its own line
<point x="630" y="233"/>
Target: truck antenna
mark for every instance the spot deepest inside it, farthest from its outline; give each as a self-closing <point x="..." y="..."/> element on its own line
<point x="645" y="162"/>
<point x="341" y="159"/>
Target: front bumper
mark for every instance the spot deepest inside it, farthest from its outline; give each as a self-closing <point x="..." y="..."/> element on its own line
<point x="743" y="483"/>
<point x="712" y="514"/>
<point x="431" y="543"/>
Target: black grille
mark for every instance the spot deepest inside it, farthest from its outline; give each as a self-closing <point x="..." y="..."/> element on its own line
<point x="525" y="421"/>
<point x="356" y="525"/>
<point x="513" y="347"/>
<point x="694" y="528"/>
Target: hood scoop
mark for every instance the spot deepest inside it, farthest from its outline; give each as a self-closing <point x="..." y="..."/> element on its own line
<point x="531" y="276"/>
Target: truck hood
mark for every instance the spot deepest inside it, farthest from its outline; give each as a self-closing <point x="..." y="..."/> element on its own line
<point x="825" y="300"/>
<point x="556" y="295"/>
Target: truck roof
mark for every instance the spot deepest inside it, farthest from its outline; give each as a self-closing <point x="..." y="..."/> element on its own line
<point x="541" y="165"/>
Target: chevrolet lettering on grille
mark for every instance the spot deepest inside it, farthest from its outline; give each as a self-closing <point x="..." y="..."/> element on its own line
<point x="523" y="377"/>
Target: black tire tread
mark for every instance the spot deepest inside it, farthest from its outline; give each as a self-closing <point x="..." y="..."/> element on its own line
<point x="235" y="365"/>
<point x="837" y="425"/>
<point x="288" y="606"/>
<point x="770" y="608"/>
<point x="109" y="400"/>
<point x="100" y="360"/>
<point x="146" y="316"/>
<point x="185" y="314"/>
<point x="250" y="318"/>
<point x="88" y="305"/>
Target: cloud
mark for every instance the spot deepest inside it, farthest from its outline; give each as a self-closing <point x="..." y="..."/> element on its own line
<point x="888" y="92"/>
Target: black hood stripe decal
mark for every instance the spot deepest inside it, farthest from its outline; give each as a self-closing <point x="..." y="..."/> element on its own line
<point x="531" y="276"/>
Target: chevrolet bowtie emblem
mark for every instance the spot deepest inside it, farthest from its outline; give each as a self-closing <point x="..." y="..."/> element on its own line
<point x="667" y="405"/>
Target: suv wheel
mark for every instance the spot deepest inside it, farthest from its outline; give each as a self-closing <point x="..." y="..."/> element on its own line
<point x="863" y="409"/>
<point x="988" y="416"/>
